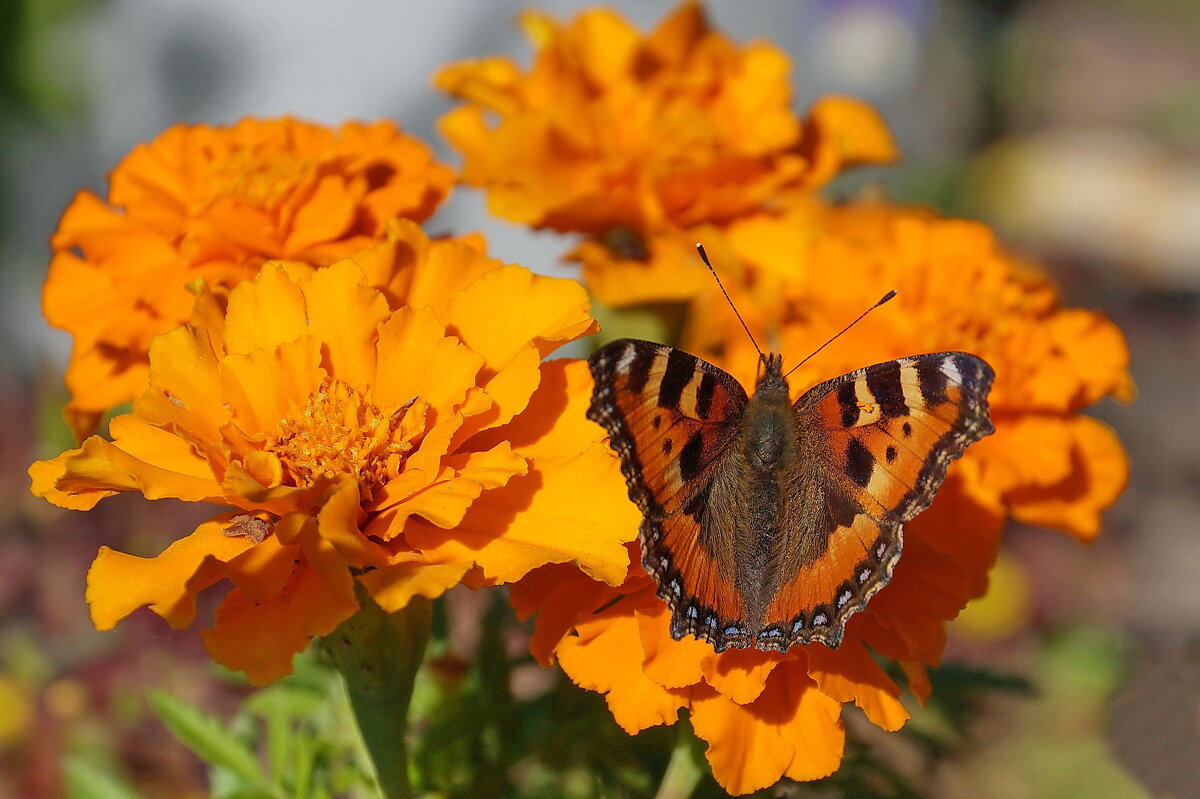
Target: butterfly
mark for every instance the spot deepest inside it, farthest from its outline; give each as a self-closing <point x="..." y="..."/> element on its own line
<point x="768" y="523"/>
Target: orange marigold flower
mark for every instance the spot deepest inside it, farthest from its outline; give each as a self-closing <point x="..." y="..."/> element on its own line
<point x="215" y="203"/>
<point x="387" y="420"/>
<point x="815" y="267"/>
<point x="613" y="129"/>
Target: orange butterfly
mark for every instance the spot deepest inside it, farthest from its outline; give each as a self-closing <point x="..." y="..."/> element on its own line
<point x="767" y="523"/>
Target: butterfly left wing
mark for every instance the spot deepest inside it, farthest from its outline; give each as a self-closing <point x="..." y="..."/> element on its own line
<point x="879" y="441"/>
<point x="672" y="418"/>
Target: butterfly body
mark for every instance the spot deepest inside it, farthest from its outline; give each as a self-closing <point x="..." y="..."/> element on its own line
<point x="768" y="523"/>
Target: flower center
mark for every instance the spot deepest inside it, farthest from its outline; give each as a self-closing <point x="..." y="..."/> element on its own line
<point x="258" y="179"/>
<point x="340" y="432"/>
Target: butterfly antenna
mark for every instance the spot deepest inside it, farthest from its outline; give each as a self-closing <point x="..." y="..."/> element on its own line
<point x="882" y="300"/>
<point x="704" y="257"/>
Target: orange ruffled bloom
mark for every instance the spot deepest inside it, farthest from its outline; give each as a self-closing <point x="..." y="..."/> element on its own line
<point x="766" y="715"/>
<point x="215" y="203"/>
<point x="386" y="420"/>
<point x="610" y="129"/>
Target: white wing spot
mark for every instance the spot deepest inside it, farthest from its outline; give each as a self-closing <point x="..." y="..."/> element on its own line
<point x="843" y="599"/>
<point x="950" y="370"/>
<point x="626" y="358"/>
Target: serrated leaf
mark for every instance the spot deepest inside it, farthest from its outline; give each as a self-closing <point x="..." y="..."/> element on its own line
<point x="86" y="780"/>
<point x="208" y="738"/>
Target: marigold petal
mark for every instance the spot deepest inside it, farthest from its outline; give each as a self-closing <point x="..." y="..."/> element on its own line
<point x="850" y="674"/>
<point x="417" y="358"/>
<point x="490" y="468"/>
<point x="792" y="729"/>
<point x="264" y="385"/>
<point x="1099" y="473"/>
<point x="964" y="522"/>
<point x="907" y="618"/>
<point x="669" y="271"/>
<point x="446" y="502"/>
<point x="1096" y="352"/>
<point x="678" y="32"/>
<point x="535" y="520"/>
<point x="918" y="679"/>
<point x="450" y="266"/>
<point x="337" y="523"/>
<point x="424" y="466"/>
<point x="306" y="607"/>
<point x="326" y="215"/>
<point x="554" y="423"/>
<point x="344" y="313"/>
<point x="545" y="311"/>
<point x="265" y="312"/>
<point x="670" y="663"/>
<point x="242" y="489"/>
<point x="606" y="658"/>
<point x="560" y="594"/>
<point x="841" y="132"/>
<point x="740" y="674"/>
<point x="118" y="584"/>
<point x="487" y="81"/>
<point x="1027" y="451"/>
<point x="509" y="390"/>
<point x="393" y="586"/>
<point x="264" y="569"/>
<point x="181" y="395"/>
<point x="80" y="478"/>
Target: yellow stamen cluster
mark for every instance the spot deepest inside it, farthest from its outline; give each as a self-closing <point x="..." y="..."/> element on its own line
<point x="341" y="432"/>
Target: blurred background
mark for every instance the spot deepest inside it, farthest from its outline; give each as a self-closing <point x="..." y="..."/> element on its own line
<point x="1071" y="126"/>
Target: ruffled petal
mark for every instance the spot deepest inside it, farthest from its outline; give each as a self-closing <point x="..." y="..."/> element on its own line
<point x="850" y="674"/>
<point x="344" y="313"/>
<point x="314" y="602"/>
<point x="265" y="312"/>
<point x="740" y="674"/>
<point x="670" y="663"/>
<point x="792" y="729"/>
<point x="552" y="311"/>
<point x="605" y="657"/>
<point x="118" y="584"/>
<point x="417" y="358"/>
<point x="80" y="478"/>
<point x="505" y="530"/>
<point x="394" y="585"/>
<point x="1099" y="473"/>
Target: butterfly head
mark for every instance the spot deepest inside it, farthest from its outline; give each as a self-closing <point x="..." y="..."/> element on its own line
<point x="772" y="380"/>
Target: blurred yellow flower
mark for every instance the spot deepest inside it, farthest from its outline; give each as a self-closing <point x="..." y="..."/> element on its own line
<point x="386" y="420"/>
<point x="610" y="129"/>
<point x="215" y="203"/>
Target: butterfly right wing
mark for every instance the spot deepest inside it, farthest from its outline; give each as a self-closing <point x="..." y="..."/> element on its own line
<point x="672" y="419"/>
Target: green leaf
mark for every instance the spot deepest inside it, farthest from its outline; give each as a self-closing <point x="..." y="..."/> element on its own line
<point x="208" y="738"/>
<point x="86" y="780"/>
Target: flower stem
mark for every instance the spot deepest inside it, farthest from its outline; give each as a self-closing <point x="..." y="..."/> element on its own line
<point x="378" y="655"/>
<point x="683" y="772"/>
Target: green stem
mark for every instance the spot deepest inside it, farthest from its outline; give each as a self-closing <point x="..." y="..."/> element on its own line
<point x="378" y="655"/>
<point x="683" y="772"/>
